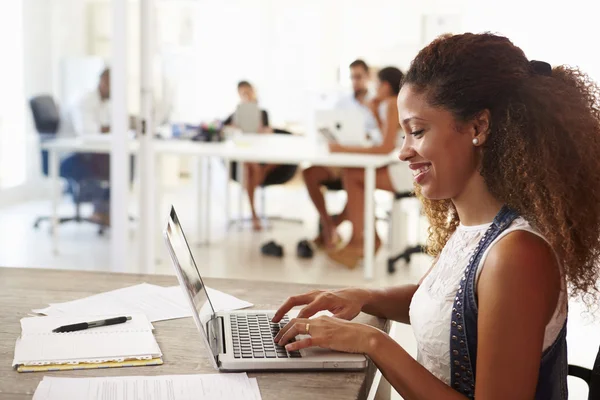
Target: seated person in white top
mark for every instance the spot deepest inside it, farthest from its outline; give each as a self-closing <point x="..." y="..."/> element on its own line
<point x="254" y="173"/>
<point x="91" y="116"/>
<point x="315" y="177"/>
<point x="389" y="178"/>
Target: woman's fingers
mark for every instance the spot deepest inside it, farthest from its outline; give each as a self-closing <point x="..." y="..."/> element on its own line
<point x="319" y="304"/>
<point x="345" y="314"/>
<point x="284" y="330"/>
<point x="301" y="344"/>
<point x="293" y="302"/>
<point x="297" y="328"/>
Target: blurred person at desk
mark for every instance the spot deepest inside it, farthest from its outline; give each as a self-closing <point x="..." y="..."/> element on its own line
<point x="91" y="116"/>
<point x="315" y="177"/>
<point x="254" y="174"/>
<point x="390" y="178"/>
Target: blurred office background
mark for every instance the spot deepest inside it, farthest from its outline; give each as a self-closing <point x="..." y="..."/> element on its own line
<point x="295" y="53"/>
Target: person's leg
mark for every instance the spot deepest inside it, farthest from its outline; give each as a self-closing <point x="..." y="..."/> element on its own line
<point x="101" y="168"/>
<point x="265" y="170"/>
<point x="354" y="183"/>
<point x="313" y="178"/>
<point x="253" y="172"/>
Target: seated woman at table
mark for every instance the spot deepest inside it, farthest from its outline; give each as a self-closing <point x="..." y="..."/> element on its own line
<point x="254" y="174"/>
<point x="383" y="106"/>
<point x="505" y="158"/>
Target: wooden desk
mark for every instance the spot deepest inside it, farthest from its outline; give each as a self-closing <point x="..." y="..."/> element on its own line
<point x="24" y="289"/>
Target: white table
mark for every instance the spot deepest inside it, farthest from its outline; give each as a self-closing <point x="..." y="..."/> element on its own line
<point x="247" y="148"/>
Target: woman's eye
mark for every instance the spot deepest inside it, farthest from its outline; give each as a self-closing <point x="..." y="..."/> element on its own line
<point x="417" y="133"/>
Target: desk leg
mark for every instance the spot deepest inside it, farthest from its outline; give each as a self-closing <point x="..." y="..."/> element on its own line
<point x="54" y="179"/>
<point x="240" y="176"/>
<point x="227" y="194"/>
<point x="159" y="215"/>
<point x="200" y="194"/>
<point x="369" y="234"/>
<point x="207" y="190"/>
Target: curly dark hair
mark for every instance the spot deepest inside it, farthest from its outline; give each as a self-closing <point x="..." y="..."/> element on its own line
<point x="393" y="76"/>
<point x="542" y="156"/>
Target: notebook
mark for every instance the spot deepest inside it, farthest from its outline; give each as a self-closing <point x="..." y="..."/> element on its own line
<point x="128" y="344"/>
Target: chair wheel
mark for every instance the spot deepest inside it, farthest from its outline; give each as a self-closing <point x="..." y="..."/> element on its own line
<point x="101" y="231"/>
<point x="391" y="266"/>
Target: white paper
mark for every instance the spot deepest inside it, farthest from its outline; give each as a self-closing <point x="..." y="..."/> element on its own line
<point x="143" y="298"/>
<point x="255" y="388"/>
<point x="156" y="302"/>
<point x="220" y="301"/>
<point x="38" y="345"/>
<point x="168" y="387"/>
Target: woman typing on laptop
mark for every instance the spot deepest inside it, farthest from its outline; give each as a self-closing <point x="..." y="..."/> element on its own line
<point x="505" y="159"/>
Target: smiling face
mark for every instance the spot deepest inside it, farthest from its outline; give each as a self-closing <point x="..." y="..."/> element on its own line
<point x="438" y="148"/>
<point x="247" y="94"/>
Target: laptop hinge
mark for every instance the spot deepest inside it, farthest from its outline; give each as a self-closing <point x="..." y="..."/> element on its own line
<point x="216" y="333"/>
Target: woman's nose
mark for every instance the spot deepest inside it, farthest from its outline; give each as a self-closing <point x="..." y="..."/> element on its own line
<point x="406" y="151"/>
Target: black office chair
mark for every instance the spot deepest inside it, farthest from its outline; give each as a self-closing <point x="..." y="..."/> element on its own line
<point x="278" y="176"/>
<point x="591" y="377"/>
<point x="409" y="251"/>
<point x="46" y="117"/>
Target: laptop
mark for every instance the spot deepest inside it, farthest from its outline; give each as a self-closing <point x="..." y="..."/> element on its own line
<point x="247" y="117"/>
<point x="346" y="127"/>
<point x="243" y="340"/>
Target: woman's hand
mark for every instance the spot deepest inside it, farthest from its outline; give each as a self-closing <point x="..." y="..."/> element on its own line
<point x="344" y="303"/>
<point x="374" y="106"/>
<point x="328" y="333"/>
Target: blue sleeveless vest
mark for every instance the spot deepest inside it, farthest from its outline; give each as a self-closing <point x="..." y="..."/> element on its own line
<point x="552" y="380"/>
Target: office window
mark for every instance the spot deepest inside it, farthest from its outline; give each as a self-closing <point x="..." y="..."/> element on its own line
<point x="12" y="102"/>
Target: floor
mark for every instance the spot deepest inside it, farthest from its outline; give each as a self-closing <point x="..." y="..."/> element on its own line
<point x="236" y="255"/>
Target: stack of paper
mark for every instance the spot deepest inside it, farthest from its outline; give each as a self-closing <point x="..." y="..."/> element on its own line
<point x="170" y="387"/>
<point x="156" y="302"/>
<point x="129" y="344"/>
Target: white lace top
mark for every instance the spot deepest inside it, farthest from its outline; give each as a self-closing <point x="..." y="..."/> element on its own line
<point x="431" y="306"/>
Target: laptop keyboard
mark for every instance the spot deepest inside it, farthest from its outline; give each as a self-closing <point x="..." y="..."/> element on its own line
<point x="253" y="336"/>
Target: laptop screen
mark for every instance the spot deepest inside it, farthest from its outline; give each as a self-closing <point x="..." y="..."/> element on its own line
<point x="190" y="280"/>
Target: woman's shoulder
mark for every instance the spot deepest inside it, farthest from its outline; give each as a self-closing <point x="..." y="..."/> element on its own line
<point x="522" y="254"/>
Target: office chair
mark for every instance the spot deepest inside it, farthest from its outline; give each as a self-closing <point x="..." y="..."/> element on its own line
<point x="591" y="377"/>
<point x="397" y="219"/>
<point x="278" y="176"/>
<point x="46" y="117"/>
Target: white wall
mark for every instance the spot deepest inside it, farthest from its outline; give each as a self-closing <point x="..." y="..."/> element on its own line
<point x="556" y="32"/>
<point x="12" y="102"/>
<point x="292" y="51"/>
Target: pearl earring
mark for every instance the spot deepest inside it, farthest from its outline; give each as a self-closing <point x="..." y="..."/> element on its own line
<point x="475" y="142"/>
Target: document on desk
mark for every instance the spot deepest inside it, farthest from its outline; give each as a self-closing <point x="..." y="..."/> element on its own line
<point x="168" y="387"/>
<point x="156" y="302"/>
<point x="39" y="346"/>
<point x="220" y="301"/>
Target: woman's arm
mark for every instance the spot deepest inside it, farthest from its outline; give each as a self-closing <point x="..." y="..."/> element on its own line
<point x="518" y="292"/>
<point x="389" y="132"/>
<point x="374" y="108"/>
<point x="393" y="303"/>
<point x="390" y="303"/>
<point x="228" y="121"/>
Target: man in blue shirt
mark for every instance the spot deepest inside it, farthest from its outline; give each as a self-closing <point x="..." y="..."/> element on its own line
<point x="315" y="177"/>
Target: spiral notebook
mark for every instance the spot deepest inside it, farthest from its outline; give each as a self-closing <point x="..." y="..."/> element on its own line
<point x="128" y="344"/>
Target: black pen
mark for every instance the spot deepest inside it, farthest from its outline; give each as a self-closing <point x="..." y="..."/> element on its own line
<point x="94" y="324"/>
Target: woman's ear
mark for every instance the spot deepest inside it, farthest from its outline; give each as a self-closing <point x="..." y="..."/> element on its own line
<point x="481" y="127"/>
